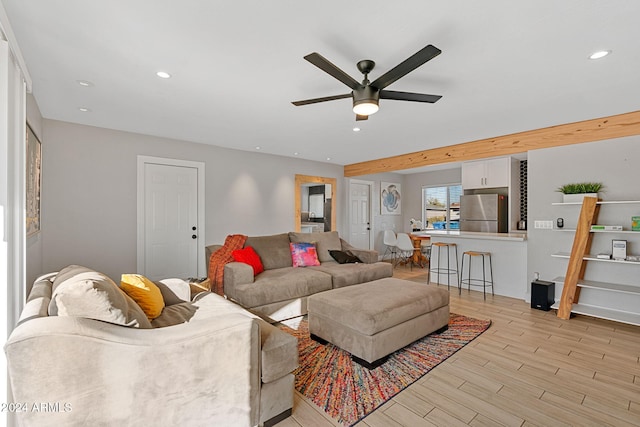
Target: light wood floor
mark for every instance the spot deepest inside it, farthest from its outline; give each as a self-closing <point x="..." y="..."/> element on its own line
<point x="528" y="369"/>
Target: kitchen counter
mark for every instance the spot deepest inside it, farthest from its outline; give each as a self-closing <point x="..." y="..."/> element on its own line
<point x="312" y="227"/>
<point x="508" y="256"/>
<point x="516" y="237"/>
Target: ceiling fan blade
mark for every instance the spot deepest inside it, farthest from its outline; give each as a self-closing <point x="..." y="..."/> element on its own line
<point x="326" y="66"/>
<point x="409" y="96"/>
<point x="405" y="67"/>
<point x="360" y="117"/>
<point x="323" y="99"/>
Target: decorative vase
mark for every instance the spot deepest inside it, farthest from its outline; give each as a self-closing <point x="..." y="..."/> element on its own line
<point x="577" y="198"/>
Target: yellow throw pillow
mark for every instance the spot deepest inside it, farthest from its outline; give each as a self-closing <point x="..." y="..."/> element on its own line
<point x="144" y="292"/>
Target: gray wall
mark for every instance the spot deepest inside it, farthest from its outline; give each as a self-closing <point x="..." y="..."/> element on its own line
<point x="413" y="189"/>
<point x="89" y="198"/>
<point x="411" y="199"/>
<point x="380" y="222"/>
<point x="615" y="164"/>
<point x="89" y="193"/>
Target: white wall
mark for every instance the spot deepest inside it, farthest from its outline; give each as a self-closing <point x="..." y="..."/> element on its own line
<point x="89" y="193"/>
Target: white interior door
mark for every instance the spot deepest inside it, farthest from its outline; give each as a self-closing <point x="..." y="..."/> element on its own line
<point x="359" y="213"/>
<point x="170" y="221"/>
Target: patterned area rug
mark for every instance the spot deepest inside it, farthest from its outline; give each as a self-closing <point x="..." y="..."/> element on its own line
<point x="349" y="392"/>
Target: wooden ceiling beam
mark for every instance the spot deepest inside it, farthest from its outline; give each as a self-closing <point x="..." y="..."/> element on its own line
<point x="611" y="127"/>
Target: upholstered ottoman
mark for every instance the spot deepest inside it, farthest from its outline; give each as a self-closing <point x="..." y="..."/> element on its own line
<point x="374" y="319"/>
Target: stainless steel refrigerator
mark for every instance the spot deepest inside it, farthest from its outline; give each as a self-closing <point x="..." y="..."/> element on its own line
<point x="484" y="212"/>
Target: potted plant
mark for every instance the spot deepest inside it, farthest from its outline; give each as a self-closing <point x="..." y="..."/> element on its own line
<point x="578" y="191"/>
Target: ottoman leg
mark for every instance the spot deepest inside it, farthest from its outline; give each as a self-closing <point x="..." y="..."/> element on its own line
<point x="441" y="330"/>
<point x="369" y="365"/>
<point x="318" y="339"/>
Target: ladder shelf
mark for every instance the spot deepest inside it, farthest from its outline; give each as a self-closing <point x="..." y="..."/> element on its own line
<point x="579" y="256"/>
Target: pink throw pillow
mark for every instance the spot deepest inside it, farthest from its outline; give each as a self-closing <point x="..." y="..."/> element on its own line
<point x="304" y="254"/>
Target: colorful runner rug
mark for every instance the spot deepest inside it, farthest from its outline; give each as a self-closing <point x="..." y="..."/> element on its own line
<point x="349" y="392"/>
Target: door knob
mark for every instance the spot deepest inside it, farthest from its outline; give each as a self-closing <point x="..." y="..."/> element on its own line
<point x="193" y="236"/>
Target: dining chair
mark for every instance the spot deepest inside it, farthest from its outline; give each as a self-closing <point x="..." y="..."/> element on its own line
<point x="390" y="240"/>
<point x="405" y="248"/>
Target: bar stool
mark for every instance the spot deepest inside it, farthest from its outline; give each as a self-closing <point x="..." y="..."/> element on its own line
<point x="469" y="281"/>
<point x="449" y="271"/>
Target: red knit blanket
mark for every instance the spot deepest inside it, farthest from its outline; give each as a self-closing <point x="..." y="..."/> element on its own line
<point x="220" y="258"/>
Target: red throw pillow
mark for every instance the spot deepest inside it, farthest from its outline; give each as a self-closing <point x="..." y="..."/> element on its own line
<point x="249" y="256"/>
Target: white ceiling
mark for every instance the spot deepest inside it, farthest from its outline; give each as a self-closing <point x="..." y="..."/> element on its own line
<point x="506" y="66"/>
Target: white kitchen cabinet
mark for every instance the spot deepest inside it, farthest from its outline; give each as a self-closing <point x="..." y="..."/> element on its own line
<point x="486" y="173"/>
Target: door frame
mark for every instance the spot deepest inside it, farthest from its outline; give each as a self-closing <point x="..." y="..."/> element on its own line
<point x="200" y="167"/>
<point x="350" y="213"/>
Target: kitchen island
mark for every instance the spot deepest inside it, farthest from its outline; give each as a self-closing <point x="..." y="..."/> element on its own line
<point x="508" y="253"/>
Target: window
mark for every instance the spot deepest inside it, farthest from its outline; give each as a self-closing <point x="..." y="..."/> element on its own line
<point x="441" y="207"/>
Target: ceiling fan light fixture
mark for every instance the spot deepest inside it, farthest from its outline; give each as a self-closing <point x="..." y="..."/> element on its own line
<point x="365" y="101"/>
<point x="366" y="107"/>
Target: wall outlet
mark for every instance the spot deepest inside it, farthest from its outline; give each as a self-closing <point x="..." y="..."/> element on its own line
<point x="543" y="224"/>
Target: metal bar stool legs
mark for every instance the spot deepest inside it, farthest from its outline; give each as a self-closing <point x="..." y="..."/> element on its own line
<point x="470" y="281"/>
<point x="438" y="270"/>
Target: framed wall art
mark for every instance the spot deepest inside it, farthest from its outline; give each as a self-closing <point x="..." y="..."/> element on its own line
<point x="390" y="198"/>
<point x="34" y="181"/>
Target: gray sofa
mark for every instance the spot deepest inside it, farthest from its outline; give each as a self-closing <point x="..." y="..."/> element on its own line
<point x="281" y="291"/>
<point x="203" y="362"/>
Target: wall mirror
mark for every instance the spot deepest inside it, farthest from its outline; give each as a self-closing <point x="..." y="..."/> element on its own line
<point x="315" y="208"/>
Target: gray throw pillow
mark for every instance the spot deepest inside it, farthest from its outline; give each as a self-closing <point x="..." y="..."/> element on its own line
<point x="81" y="292"/>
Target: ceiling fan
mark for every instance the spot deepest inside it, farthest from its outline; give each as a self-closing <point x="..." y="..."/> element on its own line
<point x="366" y="95"/>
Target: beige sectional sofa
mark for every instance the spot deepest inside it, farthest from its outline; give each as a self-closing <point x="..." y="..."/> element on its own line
<point x="205" y="361"/>
<point x="281" y="291"/>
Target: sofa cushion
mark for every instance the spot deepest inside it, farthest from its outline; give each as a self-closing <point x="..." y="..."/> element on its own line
<point x="144" y="292"/>
<point x="325" y="242"/>
<point x="273" y="250"/>
<point x="249" y="256"/>
<point x="353" y="274"/>
<point x="81" y="292"/>
<point x="304" y="254"/>
<point x="281" y="284"/>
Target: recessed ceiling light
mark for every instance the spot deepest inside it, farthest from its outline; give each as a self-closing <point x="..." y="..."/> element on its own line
<point x="356" y="129"/>
<point x="599" y="54"/>
<point x="257" y="148"/>
<point x="328" y="158"/>
<point x="296" y="153"/>
<point x="84" y="83"/>
<point x="84" y="109"/>
<point x="163" y="75"/>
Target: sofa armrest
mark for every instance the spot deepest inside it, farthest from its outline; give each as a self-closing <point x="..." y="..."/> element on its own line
<point x="365" y="255"/>
<point x="103" y="374"/>
<point x="236" y="273"/>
